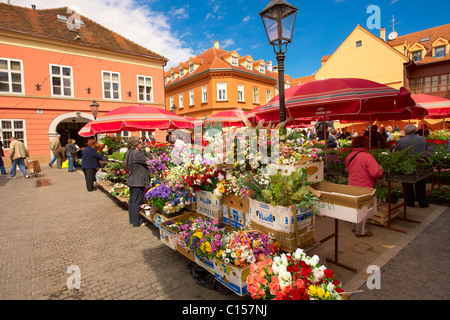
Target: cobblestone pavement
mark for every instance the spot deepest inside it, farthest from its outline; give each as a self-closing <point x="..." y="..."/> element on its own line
<point x="420" y="270"/>
<point x="50" y="223"/>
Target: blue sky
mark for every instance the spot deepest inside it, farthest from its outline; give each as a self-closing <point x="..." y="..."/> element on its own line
<point x="181" y="29"/>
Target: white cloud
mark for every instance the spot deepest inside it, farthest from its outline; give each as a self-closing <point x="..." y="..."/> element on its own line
<point x="247" y="18"/>
<point x="132" y="20"/>
<point x="226" y="43"/>
<point x="181" y="12"/>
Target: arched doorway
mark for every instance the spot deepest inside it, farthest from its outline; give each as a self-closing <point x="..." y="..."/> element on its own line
<point x="68" y="125"/>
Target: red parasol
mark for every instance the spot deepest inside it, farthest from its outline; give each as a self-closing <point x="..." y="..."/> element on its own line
<point x="230" y="118"/>
<point x="337" y="98"/>
<point x="438" y="108"/>
<point x="135" y="118"/>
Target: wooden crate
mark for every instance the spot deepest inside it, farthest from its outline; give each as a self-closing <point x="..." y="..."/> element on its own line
<point x="382" y="216"/>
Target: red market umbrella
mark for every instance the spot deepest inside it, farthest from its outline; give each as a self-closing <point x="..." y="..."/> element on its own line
<point x="438" y="108"/>
<point x="230" y="118"/>
<point x="414" y="112"/>
<point x="337" y="98"/>
<point x="251" y="116"/>
<point x="135" y="118"/>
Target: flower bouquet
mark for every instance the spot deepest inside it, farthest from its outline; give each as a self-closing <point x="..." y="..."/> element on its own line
<point x="168" y="200"/>
<point x="120" y="190"/>
<point x="292" y="277"/>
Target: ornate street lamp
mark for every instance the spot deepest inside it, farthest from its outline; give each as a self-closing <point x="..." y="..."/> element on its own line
<point x="94" y="109"/>
<point x="278" y="18"/>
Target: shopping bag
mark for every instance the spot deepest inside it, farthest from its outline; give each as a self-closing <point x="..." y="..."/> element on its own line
<point x="65" y="164"/>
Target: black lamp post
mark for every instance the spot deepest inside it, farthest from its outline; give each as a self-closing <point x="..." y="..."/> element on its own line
<point x="94" y="109"/>
<point x="278" y="18"/>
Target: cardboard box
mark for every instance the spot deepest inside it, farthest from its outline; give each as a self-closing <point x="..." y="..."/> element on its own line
<point x="168" y="236"/>
<point x="347" y="203"/>
<point x="235" y="218"/>
<point x="33" y="166"/>
<point x="209" y="212"/>
<point x="236" y="202"/>
<point x="208" y="199"/>
<point x="207" y="264"/>
<point x="232" y="277"/>
<point x="278" y="218"/>
<point x="316" y="170"/>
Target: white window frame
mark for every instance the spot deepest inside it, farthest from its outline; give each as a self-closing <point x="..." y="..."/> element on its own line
<point x="180" y="100"/>
<point x="172" y="76"/>
<point x="181" y="72"/>
<point x="9" y="71"/>
<point x="62" y="77"/>
<point x="249" y="65"/>
<point x="268" y="95"/>
<point x="170" y="102"/>
<point x="145" y="87"/>
<point x="191" y="97"/>
<point x="13" y="131"/>
<point x="111" y="82"/>
<point x="222" y="91"/>
<point x="204" y="94"/>
<point x="241" y="89"/>
<point x="256" y="95"/>
<point x="234" y="60"/>
<point x="191" y="68"/>
<point x="261" y="68"/>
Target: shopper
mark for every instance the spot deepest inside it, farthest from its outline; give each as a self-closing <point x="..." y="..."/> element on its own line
<point x="375" y="137"/>
<point x="60" y="154"/>
<point x="17" y="153"/>
<point x="55" y="143"/>
<point x="2" y="164"/>
<point x="389" y="134"/>
<point x="71" y="153"/>
<point x="90" y="162"/>
<point x="363" y="170"/>
<point x="138" y="179"/>
<point x="417" y="145"/>
<point x="332" y="141"/>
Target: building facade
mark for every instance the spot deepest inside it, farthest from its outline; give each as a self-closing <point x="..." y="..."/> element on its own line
<point x="51" y="71"/>
<point x="219" y="80"/>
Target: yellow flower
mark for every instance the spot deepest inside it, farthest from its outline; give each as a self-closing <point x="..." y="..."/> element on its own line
<point x="327" y="295"/>
<point x="303" y="156"/>
<point x="320" y="292"/>
<point x="312" y="290"/>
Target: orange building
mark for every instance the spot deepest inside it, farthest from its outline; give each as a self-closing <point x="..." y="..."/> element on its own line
<point x="219" y="80"/>
<point x="52" y="67"/>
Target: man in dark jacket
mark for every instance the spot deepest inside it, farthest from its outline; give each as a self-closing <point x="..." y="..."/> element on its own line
<point x="418" y="145"/>
<point x="138" y="179"/>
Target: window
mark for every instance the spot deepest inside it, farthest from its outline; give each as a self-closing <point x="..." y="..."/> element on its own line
<point x="415" y="86"/>
<point x="234" y="61"/>
<point x="261" y="68"/>
<point x="241" y="92"/>
<point x="439" y="52"/>
<point x="445" y="82"/>
<point x="222" y="91"/>
<point x="173" y="76"/>
<point x="124" y="134"/>
<point x="10" y="76"/>
<point x="61" y="80"/>
<point x="145" y="92"/>
<point x="191" y="68"/>
<point x="358" y="43"/>
<point x="425" y="39"/>
<point x="191" y="97"/>
<point x="12" y="128"/>
<point x="249" y="65"/>
<point x="180" y="99"/>
<point x="255" y="95"/>
<point x="416" y="56"/>
<point x="111" y="85"/>
<point x="204" y="94"/>
<point x="434" y="84"/>
<point x="181" y="73"/>
<point x="427" y="85"/>
<point x="171" y="102"/>
<point x="268" y="95"/>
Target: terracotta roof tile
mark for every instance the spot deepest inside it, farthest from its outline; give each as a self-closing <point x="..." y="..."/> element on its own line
<point x="44" y="23"/>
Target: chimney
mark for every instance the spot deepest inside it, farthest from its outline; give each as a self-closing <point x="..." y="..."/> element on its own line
<point x="269" y="66"/>
<point x="33" y="7"/>
<point x="216" y="45"/>
<point x="383" y="34"/>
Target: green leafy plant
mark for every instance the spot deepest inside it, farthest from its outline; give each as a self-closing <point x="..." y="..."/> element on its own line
<point x="284" y="190"/>
<point x="403" y="162"/>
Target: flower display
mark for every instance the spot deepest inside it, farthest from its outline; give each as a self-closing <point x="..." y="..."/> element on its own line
<point x="244" y="247"/>
<point x="293" y="276"/>
<point x="204" y="177"/>
<point x="168" y="200"/>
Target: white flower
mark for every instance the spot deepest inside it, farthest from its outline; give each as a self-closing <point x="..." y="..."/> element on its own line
<point x="314" y="260"/>
<point x="298" y="254"/>
<point x="330" y="287"/>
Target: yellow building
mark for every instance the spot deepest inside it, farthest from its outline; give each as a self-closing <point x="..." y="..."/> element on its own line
<point x="364" y="55"/>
